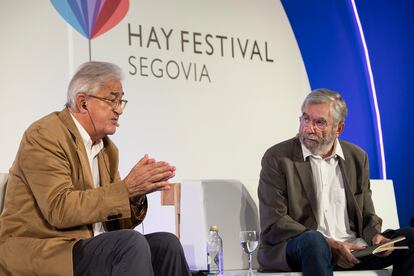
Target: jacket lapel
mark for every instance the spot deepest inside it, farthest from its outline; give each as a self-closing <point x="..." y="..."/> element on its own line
<point x="84" y="170"/>
<point x="355" y="221"/>
<point x="304" y="171"/>
<point x="108" y="162"/>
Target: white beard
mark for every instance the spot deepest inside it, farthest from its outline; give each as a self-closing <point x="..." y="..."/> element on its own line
<point x="323" y="146"/>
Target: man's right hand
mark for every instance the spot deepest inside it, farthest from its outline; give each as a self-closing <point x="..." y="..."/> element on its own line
<point x="148" y="176"/>
<point x="341" y="253"/>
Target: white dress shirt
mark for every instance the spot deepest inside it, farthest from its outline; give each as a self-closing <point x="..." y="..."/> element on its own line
<point x="332" y="213"/>
<point x="92" y="153"/>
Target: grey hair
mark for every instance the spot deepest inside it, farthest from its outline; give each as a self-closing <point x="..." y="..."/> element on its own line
<point x="89" y="77"/>
<point x="323" y="95"/>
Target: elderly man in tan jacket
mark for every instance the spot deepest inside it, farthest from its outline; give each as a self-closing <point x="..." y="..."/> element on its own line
<point x="66" y="204"/>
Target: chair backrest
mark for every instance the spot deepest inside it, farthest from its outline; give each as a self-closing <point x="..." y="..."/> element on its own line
<point x="3" y="182"/>
<point x="384" y="201"/>
<point x="225" y="203"/>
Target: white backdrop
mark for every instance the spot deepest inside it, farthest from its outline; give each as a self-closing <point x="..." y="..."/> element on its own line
<point x="210" y="127"/>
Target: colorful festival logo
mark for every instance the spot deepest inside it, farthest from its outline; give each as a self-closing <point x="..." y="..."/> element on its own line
<point x="91" y="18"/>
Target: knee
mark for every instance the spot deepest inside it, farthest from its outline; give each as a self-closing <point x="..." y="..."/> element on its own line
<point x="314" y="241"/>
<point x="168" y="242"/>
<point x="408" y="233"/>
<point x="134" y="240"/>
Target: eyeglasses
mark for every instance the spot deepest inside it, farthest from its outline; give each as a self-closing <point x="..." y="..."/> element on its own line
<point x="115" y="103"/>
<point x="319" y="123"/>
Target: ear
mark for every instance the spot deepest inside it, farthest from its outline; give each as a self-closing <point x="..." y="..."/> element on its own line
<point x="340" y="128"/>
<point x="80" y="102"/>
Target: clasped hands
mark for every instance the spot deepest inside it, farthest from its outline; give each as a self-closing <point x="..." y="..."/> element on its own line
<point x="147" y="176"/>
<point x="342" y="251"/>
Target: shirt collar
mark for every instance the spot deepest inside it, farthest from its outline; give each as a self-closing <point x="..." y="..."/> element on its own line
<point x="336" y="152"/>
<point x="87" y="141"/>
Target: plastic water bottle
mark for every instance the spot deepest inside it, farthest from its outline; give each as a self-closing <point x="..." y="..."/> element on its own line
<point x="214" y="252"/>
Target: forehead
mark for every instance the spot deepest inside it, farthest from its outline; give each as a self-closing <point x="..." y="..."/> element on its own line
<point x="318" y="110"/>
<point x="112" y="87"/>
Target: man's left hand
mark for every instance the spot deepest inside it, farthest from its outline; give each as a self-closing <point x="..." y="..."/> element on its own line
<point x="378" y="239"/>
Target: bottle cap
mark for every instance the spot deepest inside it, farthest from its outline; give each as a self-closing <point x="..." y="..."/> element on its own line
<point x="214" y="228"/>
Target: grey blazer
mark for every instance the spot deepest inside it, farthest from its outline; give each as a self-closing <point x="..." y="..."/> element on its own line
<point x="287" y="199"/>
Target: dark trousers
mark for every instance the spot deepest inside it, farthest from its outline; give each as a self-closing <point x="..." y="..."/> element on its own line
<point x="127" y="252"/>
<point x="311" y="254"/>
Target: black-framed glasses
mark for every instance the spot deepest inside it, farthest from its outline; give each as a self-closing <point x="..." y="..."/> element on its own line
<point x="115" y="103"/>
<point x="319" y="123"/>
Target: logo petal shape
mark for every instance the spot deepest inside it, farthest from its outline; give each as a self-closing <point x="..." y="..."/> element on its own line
<point x="92" y="18"/>
<point x="64" y="8"/>
<point x="112" y="12"/>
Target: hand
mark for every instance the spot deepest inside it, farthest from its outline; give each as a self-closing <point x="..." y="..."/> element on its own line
<point x="148" y="176"/>
<point x="378" y="239"/>
<point x="341" y="252"/>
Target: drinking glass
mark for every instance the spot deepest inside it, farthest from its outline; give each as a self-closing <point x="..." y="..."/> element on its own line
<point x="249" y="242"/>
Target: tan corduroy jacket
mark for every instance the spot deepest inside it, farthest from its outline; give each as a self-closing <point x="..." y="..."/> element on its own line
<point x="51" y="201"/>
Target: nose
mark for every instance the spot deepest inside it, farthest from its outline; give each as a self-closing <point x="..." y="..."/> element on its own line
<point x="310" y="128"/>
<point x="118" y="110"/>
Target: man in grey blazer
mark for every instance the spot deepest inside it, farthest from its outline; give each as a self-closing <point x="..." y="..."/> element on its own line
<point x="315" y="199"/>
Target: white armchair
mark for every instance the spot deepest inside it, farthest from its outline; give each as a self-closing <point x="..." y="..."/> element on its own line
<point x="3" y="182"/>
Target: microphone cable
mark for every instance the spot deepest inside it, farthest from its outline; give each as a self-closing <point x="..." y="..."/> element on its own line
<point x="96" y="137"/>
<point x="106" y="165"/>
